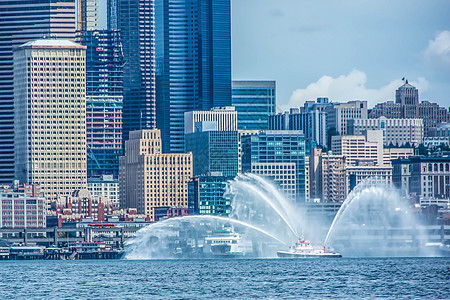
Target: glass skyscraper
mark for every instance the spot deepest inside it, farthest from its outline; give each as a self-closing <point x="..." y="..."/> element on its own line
<point x="104" y="96"/>
<point x="136" y="25"/>
<point x="254" y="102"/>
<point x="20" y="22"/>
<point x="193" y="62"/>
<point x="214" y="151"/>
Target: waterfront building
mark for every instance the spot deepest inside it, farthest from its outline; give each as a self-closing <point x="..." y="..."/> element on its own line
<point x="149" y="178"/>
<point x="50" y="116"/>
<point x="360" y="148"/>
<point x="82" y="205"/>
<point x="207" y="194"/>
<point x="254" y="102"/>
<point x="104" y="101"/>
<point x="283" y="174"/>
<point x="339" y="113"/>
<point x="170" y="212"/>
<point x="407" y="106"/>
<point x="225" y="118"/>
<point x="398" y="132"/>
<point x="427" y="177"/>
<point x="106" y="187"/>
<point x="193" y="62"/>
<point x="212" y="150"/>
<point x="277" y="146"/>
<point x="22" y="206"/>
<point x="137" y="27"/>
<point x="20" y="23"/>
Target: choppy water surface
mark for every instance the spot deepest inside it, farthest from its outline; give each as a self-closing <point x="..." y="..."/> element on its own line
<point x="206" y="279"/>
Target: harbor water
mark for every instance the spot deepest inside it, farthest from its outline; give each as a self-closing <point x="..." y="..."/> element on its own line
<point x="227" y="278"/>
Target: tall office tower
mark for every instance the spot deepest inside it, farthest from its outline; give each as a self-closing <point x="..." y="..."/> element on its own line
<point x="50" y="116"/>
<point x="20" y="22"/>
<point x="213" y="150"/>
<point x="112" y="18"/>
<point x="339" y="113"/>
<point x="149" y="178"/>
<point x="193" y="62"/>
<point x="87" y="11"/>
<point x="254" y="102"/>
<point x="408" y="97"/>
<point x="137" y="27"/>
<point x="277" y="146"/>
<point x="104" y="101"/>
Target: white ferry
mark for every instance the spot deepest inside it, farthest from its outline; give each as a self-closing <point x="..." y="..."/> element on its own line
<point x="227" y="243"/>
<point x="304" y="249"/>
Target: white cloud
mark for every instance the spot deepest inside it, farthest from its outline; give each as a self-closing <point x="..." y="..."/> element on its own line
<point x="438" y="50"/>
<point x="349" y="87"/>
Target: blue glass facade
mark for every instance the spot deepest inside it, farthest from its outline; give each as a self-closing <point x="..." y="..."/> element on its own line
<point x="214" y="151"/>
<point x="136" y="24"/>
<point x="206" y="195"/>
<point x="104" y="101"/>
<point x="254" y="102"/>
<point x="193" y="62"/>
<point x="277" y="146"/>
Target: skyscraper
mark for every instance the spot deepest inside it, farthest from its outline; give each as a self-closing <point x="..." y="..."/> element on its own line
<point x="104" y="96"/>
<point x="136" y="25"/>
<point x="193" y="62"/>
<point x="20" y="22"/>
<point x="50" y="116"/>
<point x="254" y="102"/>
<point x="87" y="11"/>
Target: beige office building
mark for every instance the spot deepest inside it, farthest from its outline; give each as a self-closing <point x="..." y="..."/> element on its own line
<point x="148" y="178"/>
<point x="357" y="149"/>
<point x="50" y="116"/>
<point x="283" y="174"/>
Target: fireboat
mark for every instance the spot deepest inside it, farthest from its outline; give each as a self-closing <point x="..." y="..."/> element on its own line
<point x="304" y="249"/>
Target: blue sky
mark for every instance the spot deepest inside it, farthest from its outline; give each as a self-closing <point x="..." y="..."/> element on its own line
<point x="345" y="50"/>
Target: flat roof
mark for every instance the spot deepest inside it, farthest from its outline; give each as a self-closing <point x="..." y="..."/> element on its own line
<point x="52" y="43"/>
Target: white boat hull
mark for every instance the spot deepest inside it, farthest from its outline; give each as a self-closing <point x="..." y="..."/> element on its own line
<point x="293" y="254"/>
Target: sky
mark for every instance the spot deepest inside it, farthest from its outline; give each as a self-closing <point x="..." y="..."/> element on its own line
<point x="344" y="50"/>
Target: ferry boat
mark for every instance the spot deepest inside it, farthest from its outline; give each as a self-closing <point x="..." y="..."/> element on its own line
<point x="227" y="243"/>
<point x="304" y="249"/>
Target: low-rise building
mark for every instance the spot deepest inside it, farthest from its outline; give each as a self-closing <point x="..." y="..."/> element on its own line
<point x="428" y="177"/>
<point x="106" y="187"/>
<point x="22" y="206"/>
<point x="207" y="194"/>
<point x="82" y="205"/>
